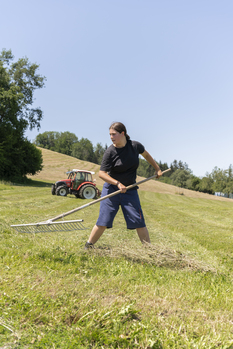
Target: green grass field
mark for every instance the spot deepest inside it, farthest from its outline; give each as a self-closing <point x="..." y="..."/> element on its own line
<point x="175" y="293"/>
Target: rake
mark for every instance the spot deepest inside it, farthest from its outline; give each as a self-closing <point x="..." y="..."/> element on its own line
<point x="51" y="226"/>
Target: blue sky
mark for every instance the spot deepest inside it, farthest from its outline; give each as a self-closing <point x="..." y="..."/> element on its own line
<point x="163" y="68"/>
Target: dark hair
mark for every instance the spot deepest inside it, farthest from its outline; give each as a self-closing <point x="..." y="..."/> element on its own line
<point x="119" y="127"/>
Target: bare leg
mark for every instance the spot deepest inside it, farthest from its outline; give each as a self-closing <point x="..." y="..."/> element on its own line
<point x="96" y="233"/>
<point x="143" y="234"/>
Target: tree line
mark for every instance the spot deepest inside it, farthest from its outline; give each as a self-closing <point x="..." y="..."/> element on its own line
<point x="69" y="144"/>
<point x="180" y="175"/>
<point x="218" y="181"/>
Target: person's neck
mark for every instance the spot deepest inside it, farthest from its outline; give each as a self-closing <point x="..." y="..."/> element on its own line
<point x="121" y="145"/>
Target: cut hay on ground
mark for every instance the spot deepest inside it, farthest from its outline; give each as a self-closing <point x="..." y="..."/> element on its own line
<point x="153" y="254"/>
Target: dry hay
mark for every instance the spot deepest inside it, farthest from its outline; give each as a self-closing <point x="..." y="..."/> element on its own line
<point x="55" y="166"/>
<point x="153" y="254"/>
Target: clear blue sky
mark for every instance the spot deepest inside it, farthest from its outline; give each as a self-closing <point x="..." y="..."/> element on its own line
<point x="164" y="68"/>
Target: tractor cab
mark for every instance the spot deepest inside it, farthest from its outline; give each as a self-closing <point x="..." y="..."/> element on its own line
<point x="78" y="177"/>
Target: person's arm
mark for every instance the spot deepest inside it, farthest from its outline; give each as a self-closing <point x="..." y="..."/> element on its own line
<point x="152" y="162"/>
<point x="105" y="176"/>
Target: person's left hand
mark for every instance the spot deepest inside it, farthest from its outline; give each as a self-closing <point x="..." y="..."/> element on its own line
<point x="122" y="187"/>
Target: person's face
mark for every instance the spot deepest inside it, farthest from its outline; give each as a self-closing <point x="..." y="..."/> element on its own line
<point x="117" y="138"/>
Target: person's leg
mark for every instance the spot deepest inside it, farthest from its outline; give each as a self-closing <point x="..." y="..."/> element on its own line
<point x="133" y="214"/>
<point x="96" y="233"/>
<point x="143" y="234"/>
<point x="108" y="210"/>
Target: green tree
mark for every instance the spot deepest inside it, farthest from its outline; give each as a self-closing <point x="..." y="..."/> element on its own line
<point x="219" y="179"/>
<point x="229" y="184"/>
<point x="223" y="180"/>
<point x="18" y="82"/>
<point x="193" y="183"/>
<point x="206" y="185"/>
<point x="65" y="141"/>
<point x="47" y="140"/>
<point x="83" y="150"/>
<point x="56" y="141"/>
<point x="98" y="153"/>
<point x="229" y="188"/>
<point x="178" y="165"/>
<point x="180" y="177"/>
<point x="145" y="169"/>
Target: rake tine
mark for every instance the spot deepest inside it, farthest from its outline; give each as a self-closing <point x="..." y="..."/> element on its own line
<point x="45" y="227"/>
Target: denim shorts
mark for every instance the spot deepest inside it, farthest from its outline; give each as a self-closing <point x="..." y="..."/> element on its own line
<point x="130" y="205"/>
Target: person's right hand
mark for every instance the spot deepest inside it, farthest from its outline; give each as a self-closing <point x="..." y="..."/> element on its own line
<point x="159" y="174"/>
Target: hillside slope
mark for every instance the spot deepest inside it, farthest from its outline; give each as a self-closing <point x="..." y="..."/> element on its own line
<point x="55" y="166"/>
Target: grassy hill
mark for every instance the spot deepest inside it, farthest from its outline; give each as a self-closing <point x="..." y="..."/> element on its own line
<point x="55" y="166"/>
<point x="174" y="293"/>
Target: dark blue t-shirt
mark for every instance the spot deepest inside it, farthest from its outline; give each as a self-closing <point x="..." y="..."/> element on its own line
<point x="122" y="163"/>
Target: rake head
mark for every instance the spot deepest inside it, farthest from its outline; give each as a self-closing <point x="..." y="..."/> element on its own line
<point x="45" y="227"/>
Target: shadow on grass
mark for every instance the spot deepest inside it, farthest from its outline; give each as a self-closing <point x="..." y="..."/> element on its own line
<point x="33" y="183"/>
<point x="27" y="182"/>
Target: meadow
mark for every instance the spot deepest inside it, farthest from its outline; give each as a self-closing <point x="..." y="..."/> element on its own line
<point x="176" y="292"/>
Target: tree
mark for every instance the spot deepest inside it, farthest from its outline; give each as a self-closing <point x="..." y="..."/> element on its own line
<point x="193" y="183"/>
<point x="68" y="143"/>
<point x="18" y="82"/>
<point x="98" y="153"/>
<point x="219" y="178"/>
<point x="60" y="142"/>
<point x="229" y="188"/>
<point x="223" y="180"/>
<point x="64" y="142"/>
<point x="47" y="140"/>
<point x="164" y="167"/>
<point x="83" y="150"/>
<point x="180" y="178"/>
<point x="229" y="185"/>
<point x="206" y="185"/>
<point x="145" y="169"/>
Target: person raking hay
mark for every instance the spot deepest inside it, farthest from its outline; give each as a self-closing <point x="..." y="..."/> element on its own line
<point x="119" y="169"/>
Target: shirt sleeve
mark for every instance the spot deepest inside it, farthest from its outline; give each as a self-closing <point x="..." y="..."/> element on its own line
<point x="106" y="161"/>
<point x="140" y="147"/>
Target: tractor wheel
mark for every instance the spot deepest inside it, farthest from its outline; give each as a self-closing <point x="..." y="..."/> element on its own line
<point x="53" y="191"/>
<point x="88" y="192"/>
<point x="62" y="190"/>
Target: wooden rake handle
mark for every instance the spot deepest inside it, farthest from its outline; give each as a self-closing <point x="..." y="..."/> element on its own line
<point x="103" y="198"/>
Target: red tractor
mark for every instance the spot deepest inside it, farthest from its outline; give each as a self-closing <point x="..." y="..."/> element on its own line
<point x="79" y="182"/>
